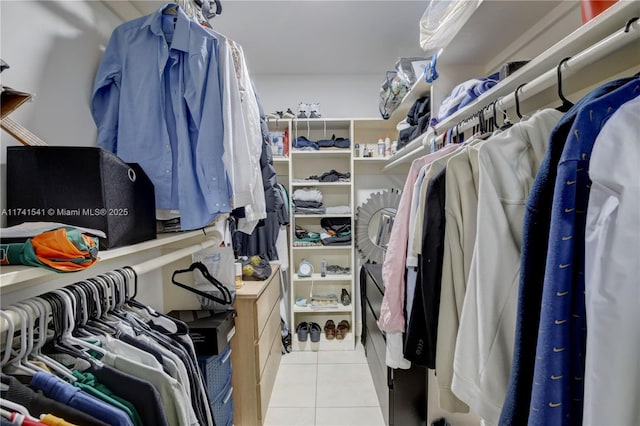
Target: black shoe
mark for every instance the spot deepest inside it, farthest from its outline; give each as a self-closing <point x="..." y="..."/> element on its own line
<point x="315" y="331"/>
<point x="303" y="331"/>
<point x="345" y="298"/>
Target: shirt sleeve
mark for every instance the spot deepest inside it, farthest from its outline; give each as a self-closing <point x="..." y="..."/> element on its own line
<point x="235" y="137"/>
<point x="105" y="99"/>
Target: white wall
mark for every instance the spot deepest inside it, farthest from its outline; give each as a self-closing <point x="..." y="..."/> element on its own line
<point x="53" y="48"/>
<point x="339" y="95"/>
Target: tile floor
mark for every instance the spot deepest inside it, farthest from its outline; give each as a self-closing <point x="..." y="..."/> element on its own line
<point x="328" y="388"/>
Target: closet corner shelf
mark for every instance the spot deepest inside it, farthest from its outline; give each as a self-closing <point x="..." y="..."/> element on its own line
<point x="419" y="89"/>
<point x="322" y="151"/>
<point x="320" y="248"/>
<point x="12" y="276"/>
<point x="303" y="216"/>
<point x="317" y="278"/>
<point x="315" y="183"/>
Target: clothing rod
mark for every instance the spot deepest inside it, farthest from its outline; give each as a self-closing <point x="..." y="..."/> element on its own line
<point x="158" y="262"/>
<point x="579" y="61"/>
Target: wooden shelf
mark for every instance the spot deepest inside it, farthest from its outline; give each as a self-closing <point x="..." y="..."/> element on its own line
<point x="280" y="159"/>
<point x="332" y="310"/>
<point x="13" y="277"/>
<point x="322" y="151"/>
<point x="419" y="89"/>
<point x="317" y="278"/>
<point x="315" y="183"/>
<point x="303" y="216"/>
<point x="320" y="248"/>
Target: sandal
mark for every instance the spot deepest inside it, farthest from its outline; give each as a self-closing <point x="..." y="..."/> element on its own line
<point x="342" y="329"/>
<point x="315" y="331"/>
<point x="303" y="331"/>
<point x="330" y="330"/>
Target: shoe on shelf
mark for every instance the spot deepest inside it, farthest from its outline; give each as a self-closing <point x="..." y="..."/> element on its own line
<point x="345" y="298"/>
<point x="315" y="331"/>
<point x="273" y="116"/>
<point x="330" y="330"/>
<point x="288" y="114"/>
<point x="314" y="110"/>
<point x="342" y="329"/>
<point x="303" y="331"/>
<point x="303" y="110"/>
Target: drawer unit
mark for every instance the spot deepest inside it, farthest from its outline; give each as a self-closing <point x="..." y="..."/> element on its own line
<point x="256" y="348"/>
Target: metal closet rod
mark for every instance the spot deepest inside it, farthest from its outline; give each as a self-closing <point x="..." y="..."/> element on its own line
<point x="589" y="56"/>
<point x="592" y="54"/>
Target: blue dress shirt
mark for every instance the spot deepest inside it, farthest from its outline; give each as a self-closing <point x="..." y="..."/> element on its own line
<point x="558" y="386"/>
<point x="63" y="392"/>
<point x="157" y="102"/>
<point x="535" y="240"/>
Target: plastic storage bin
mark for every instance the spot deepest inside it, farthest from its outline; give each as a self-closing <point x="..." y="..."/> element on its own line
<point x="223" y="408"/>
<point x="217" y="373"/>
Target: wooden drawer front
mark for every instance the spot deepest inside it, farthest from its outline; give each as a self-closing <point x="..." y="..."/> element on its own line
<point x="264" y="344"/>
<point x="264" y="305"/>
<point x="265" y="386"/>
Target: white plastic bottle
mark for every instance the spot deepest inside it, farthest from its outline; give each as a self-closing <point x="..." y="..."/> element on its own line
<point x="380" y="147"/>
<point x="387" y="146"/>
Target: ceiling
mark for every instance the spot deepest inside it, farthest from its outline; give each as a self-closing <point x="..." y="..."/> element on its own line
<point x="318" y="37"/>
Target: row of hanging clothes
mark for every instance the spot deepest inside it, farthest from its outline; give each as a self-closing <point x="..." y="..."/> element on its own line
<point x="90" y="354"/>
<point x="176" y="97"/>
<point x="513" y="263"/>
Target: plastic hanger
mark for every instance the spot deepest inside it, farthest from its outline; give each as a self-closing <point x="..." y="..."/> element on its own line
<point x="41" y="310"/>
<point x="17" y="408"/>
<point x="17" y="364"/>
<point x="515" y="94"/>
<point x="566" y="103"/>
<point x="227" y="299"/>
<point x="67" y="331"/>
<point x="9" y="338"/>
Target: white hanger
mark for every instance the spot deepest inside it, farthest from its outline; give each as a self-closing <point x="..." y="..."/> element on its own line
<point x="42" y="311"/>
<point x="16" y="364"/>
<point x="9" y="340"/>
<point x="68" y="326"/>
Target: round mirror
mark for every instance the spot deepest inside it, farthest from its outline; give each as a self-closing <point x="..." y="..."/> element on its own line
<point x="374" y="220"/>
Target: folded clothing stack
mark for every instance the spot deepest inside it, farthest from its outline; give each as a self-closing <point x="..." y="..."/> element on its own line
<point x="308" y="201"/>
<point x="334" y="142"/>
<point x="337" y="231"/>
<point x="303" y="144"/>
<point x="304" y="238"/>
<point x="417" y="122"/>
<point x="463" y="94"/>
<point x="331" y="176"/>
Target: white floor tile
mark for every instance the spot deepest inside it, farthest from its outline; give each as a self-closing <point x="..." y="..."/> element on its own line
<point x="300" y="357"/>
<point x="290" y="417"/>
<point x="293" y="395"/>
<point x="296" y="374"/>
<point x="349" y="416"/>
<point x="345" y="385"/>
<point x="337" y="374"/>
<point x="342" y="357"/>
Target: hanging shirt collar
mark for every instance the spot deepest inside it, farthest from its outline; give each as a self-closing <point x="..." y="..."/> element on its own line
<point x="181" y="32"/>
